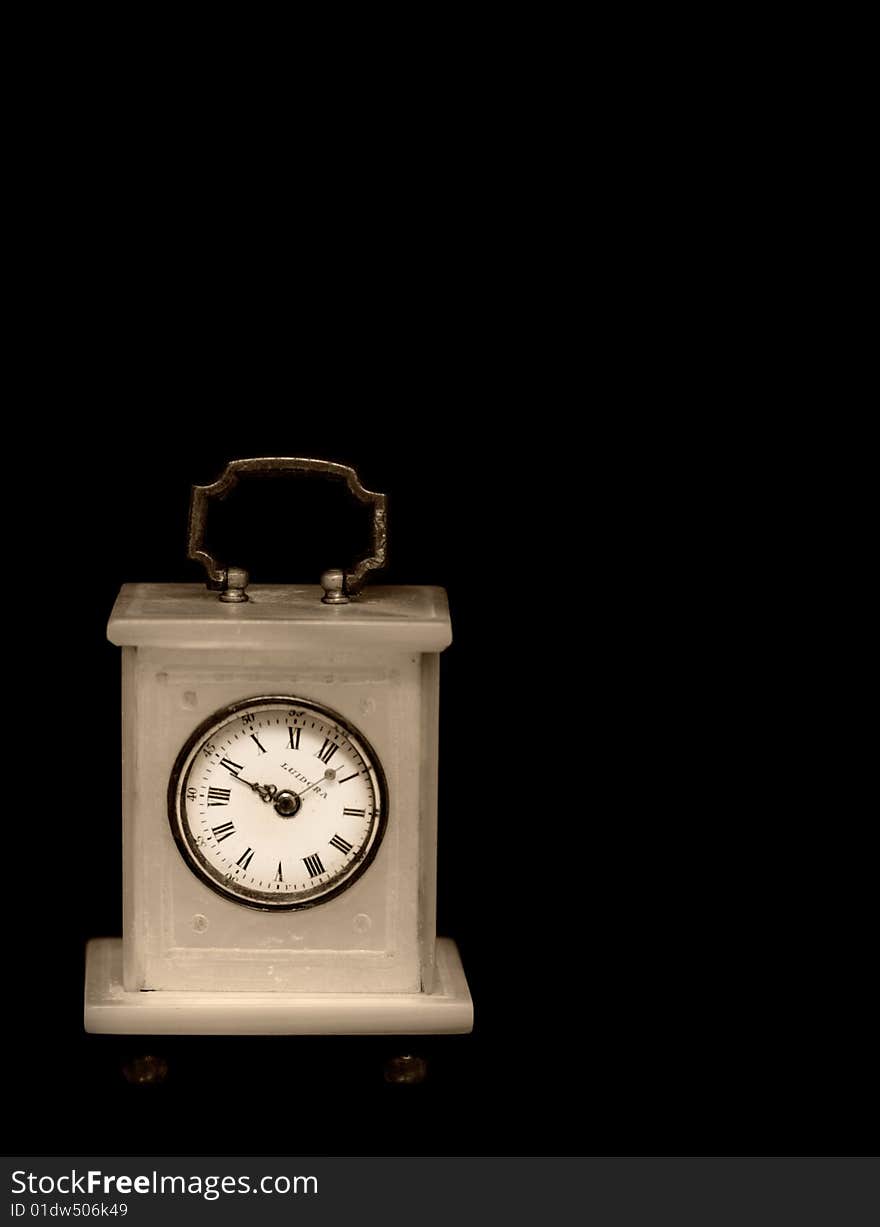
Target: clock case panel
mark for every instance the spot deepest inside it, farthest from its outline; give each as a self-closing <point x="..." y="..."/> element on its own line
<point x="376" y="936"/>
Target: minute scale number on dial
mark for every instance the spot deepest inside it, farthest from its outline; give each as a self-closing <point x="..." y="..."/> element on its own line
<point x="277" y="803"/>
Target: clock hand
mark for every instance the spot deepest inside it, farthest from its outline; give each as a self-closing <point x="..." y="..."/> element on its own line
<point x="286" y="803"/>
<point x="308" y="786"/>
<point x="267" y="791"/>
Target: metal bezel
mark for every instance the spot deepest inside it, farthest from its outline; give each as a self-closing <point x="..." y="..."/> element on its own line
<point x="201" y="867"/>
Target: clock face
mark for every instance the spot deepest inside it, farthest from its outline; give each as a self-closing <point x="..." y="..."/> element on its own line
<point x="277" y="803"/>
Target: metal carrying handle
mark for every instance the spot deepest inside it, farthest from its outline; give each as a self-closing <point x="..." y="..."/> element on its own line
<point x="232" y="579"/>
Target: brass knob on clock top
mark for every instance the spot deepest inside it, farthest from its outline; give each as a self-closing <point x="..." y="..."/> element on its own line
<point x="237" y="580"/>
<point x="231" y="582"/>
<point x="333" y="583"/>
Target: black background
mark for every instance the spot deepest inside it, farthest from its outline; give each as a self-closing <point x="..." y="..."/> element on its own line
<point x="653" y="854"/>
<point x="658" y="915"/>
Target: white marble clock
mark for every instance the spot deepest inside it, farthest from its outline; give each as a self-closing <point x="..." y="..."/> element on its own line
<point x="280" y="757"/>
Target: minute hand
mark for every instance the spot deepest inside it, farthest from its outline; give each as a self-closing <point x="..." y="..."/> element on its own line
<point x="312" y="785"/>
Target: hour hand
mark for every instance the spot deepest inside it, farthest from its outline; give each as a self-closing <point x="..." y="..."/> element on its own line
<point x="267" y="791"/>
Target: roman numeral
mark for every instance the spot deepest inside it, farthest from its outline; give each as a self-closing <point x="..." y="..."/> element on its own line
<point x="348" y="777"/>
<point x="223" y="831"/>
<point x="230" y="765"/>
<point x="246" y="857"/>
<point x="342" y="844"/>
<point x="326" y="752"/>
<point x="314" y="866"/>
<point x="354" y="813"/>
<point x="294" y="737"/>
<point x="255" y="738"/>
<point x="279" y="876"/>
<point x="218" y="796"/>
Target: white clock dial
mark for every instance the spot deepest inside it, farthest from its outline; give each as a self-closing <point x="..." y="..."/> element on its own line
<point x="277" y="802"/>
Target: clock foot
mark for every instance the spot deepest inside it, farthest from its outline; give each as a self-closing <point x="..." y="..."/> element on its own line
<point x="406" y="1070"/>
<point x="146" y="1070"/>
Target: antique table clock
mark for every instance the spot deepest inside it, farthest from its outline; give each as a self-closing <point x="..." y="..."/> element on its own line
<point x="280" y="748"/>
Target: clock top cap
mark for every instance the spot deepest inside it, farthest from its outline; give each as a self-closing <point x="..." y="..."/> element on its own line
<point x="281" y="616"/>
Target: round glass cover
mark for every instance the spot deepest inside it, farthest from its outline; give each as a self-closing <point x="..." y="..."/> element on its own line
<point x="277" y="802"/>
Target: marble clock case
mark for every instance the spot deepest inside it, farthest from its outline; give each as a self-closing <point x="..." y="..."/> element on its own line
<point x="364" y="960"/>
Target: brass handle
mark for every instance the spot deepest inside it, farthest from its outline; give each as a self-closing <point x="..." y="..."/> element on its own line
<point x="218" y="575"/>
